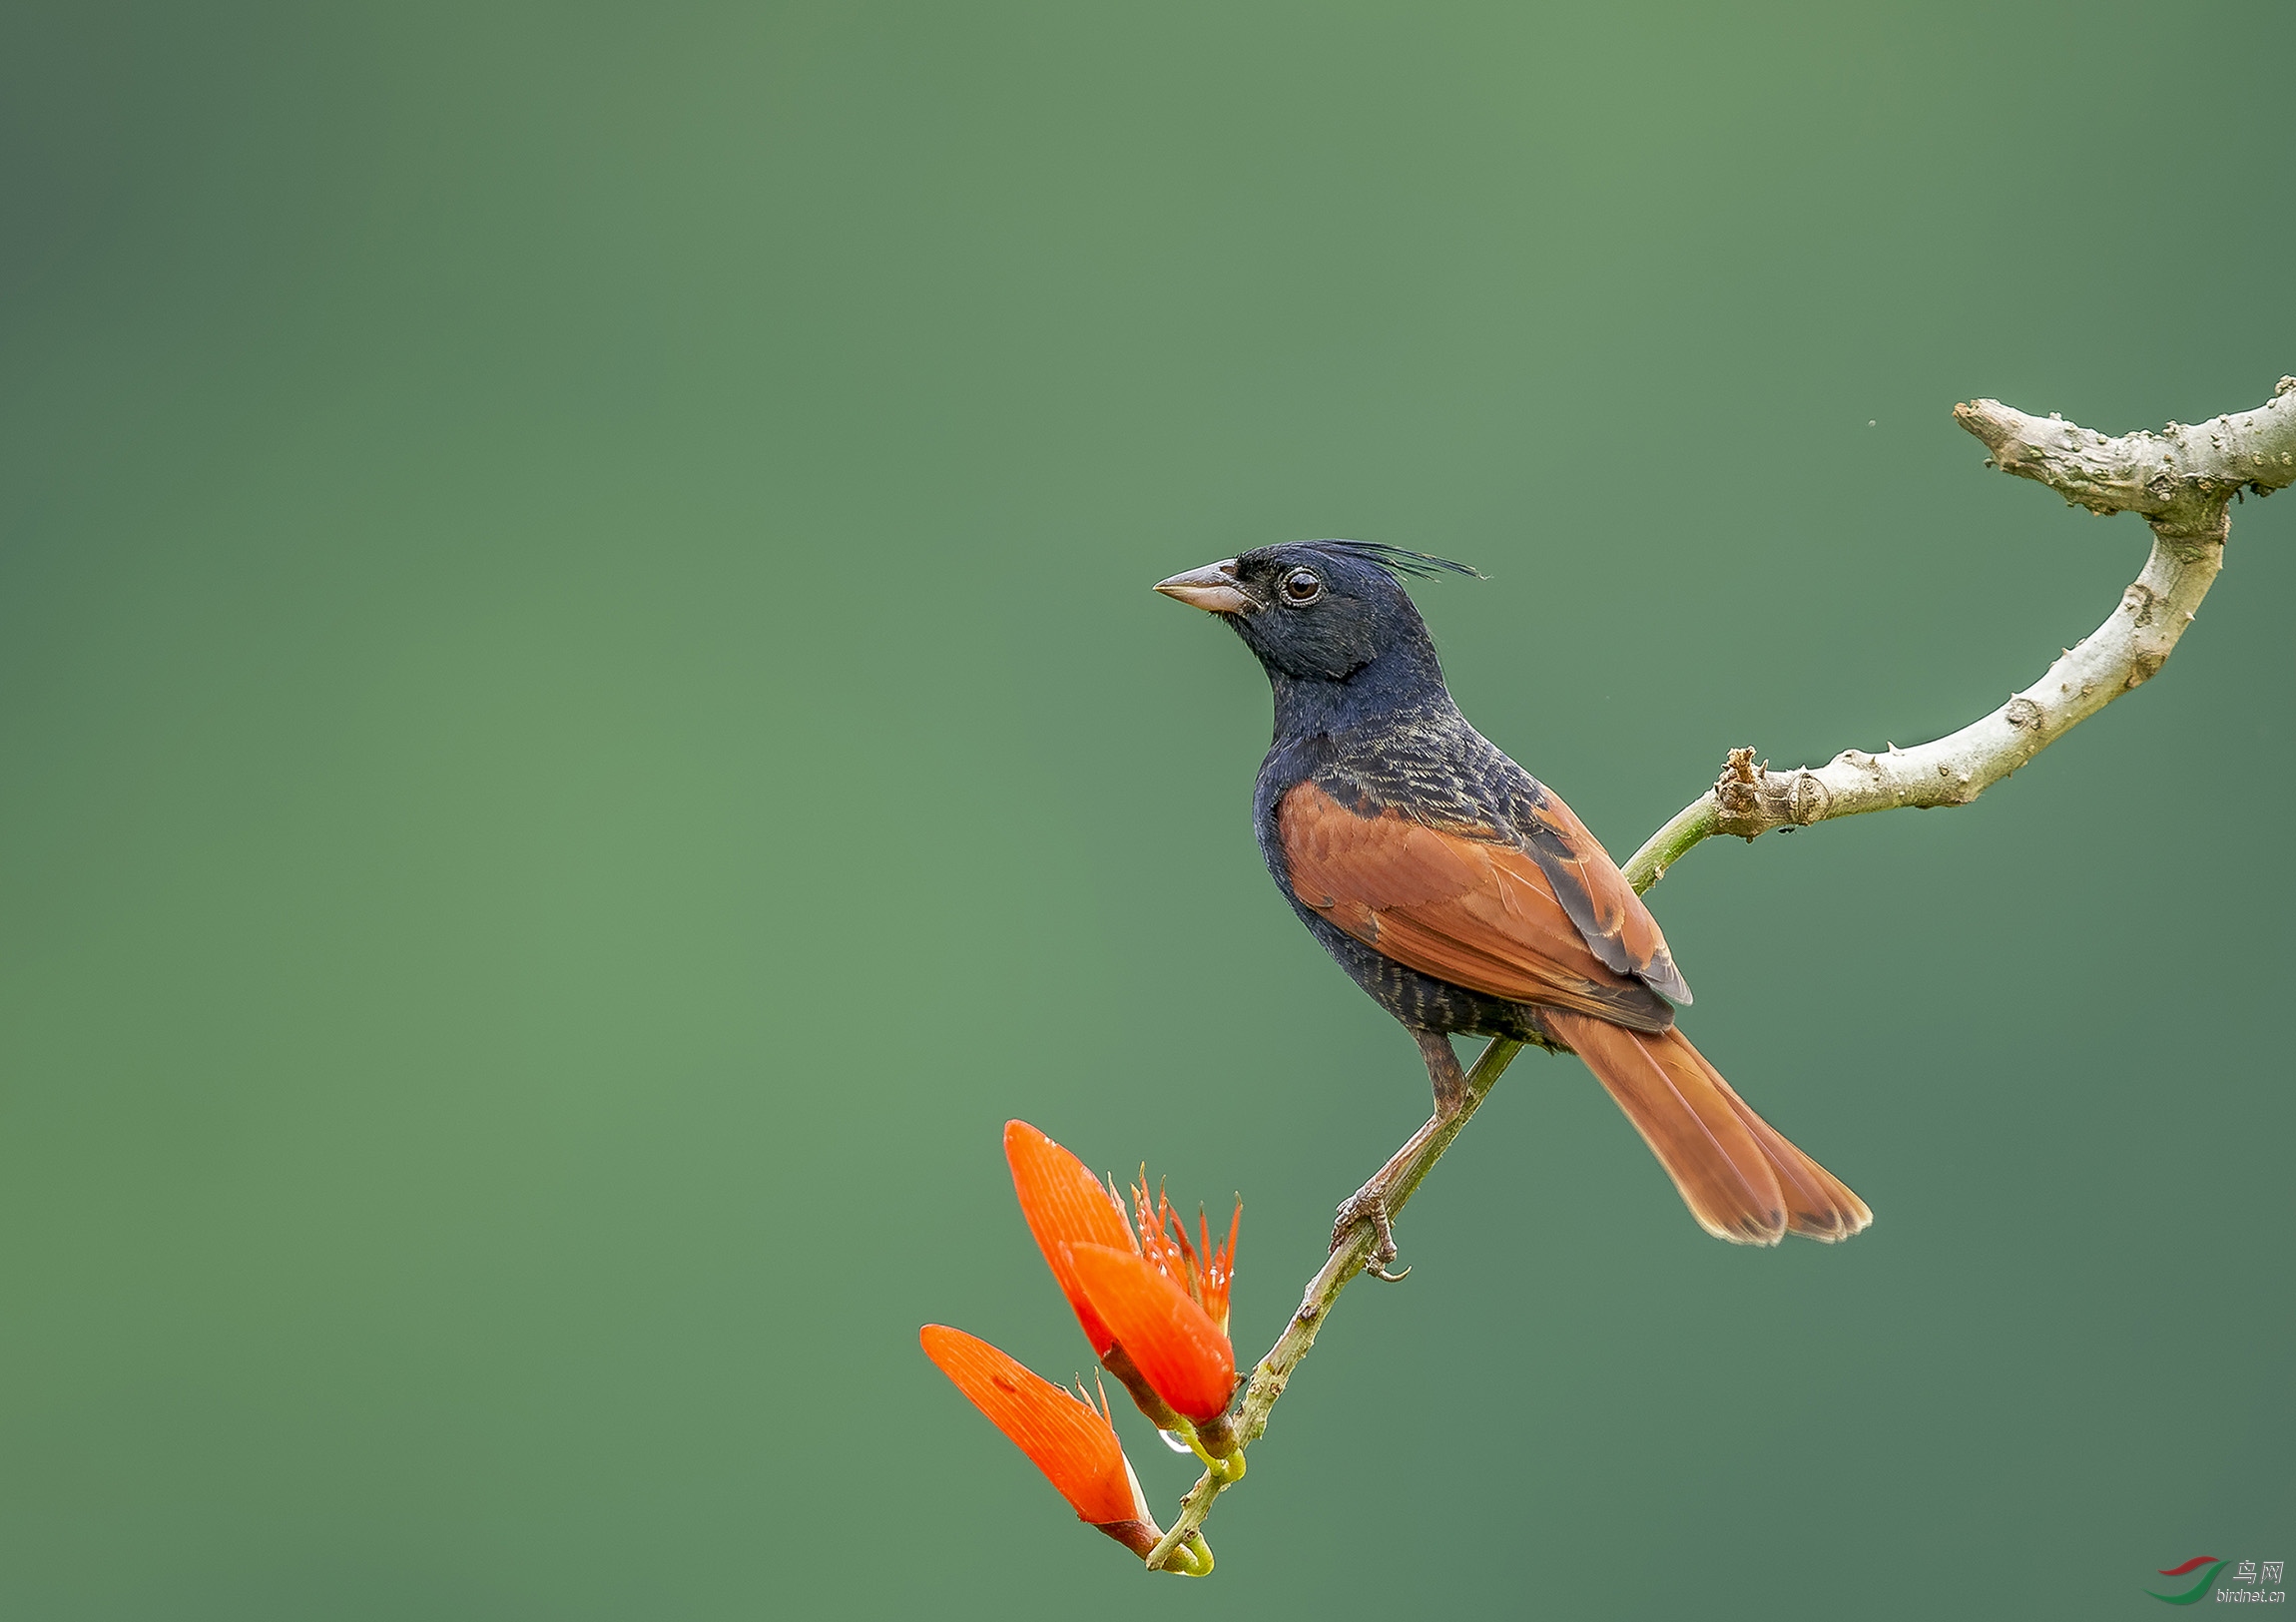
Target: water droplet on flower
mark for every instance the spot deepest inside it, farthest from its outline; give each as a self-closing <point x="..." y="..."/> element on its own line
<point x="1174" y="1441"/>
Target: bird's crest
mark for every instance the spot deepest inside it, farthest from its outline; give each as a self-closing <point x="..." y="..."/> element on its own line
<point x="1397" y="561"/>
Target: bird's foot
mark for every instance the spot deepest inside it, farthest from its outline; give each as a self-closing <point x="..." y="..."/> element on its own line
<point x="1370" y="1204"/>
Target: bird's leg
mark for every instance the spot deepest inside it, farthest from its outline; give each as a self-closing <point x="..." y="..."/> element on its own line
<point x="1443" y="1073"/>
<point x="1370" y="1201"/>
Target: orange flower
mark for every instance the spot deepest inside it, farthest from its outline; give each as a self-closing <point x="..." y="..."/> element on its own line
<point x="1075" y="1220"/>
<point x="1065" y="1436"/>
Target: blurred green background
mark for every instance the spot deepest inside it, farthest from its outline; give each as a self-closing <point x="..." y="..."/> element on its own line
<point x="582" y="722"/>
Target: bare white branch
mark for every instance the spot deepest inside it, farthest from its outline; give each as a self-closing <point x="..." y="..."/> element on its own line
<point x="2179" y="478"/>
<point x="2182" y="480"/>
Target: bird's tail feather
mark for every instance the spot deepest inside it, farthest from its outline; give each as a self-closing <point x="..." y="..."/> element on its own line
<point x="1741" y="1178"/>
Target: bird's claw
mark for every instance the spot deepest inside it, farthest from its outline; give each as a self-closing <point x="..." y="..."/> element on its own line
<point x="1370" y="1204"/>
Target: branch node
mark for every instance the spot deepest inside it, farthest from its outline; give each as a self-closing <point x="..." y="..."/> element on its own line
<point x="1751" y="800"/>
<point x="1738" y="796"/>
<point x="1807" y="798"/>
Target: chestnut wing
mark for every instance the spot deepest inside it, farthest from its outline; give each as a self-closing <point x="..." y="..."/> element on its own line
<point x="1472" y="911"/>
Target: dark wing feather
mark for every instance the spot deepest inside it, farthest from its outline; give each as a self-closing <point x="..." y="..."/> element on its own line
<point x="1470" y="910"/>
<point x="1595" y="893"/>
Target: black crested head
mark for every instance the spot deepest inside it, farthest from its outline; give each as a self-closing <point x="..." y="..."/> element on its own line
<point x="1327" y="613"/>
<point x="1323" y="610"/>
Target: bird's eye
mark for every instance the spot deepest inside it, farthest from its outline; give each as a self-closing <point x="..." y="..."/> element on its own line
<point x="1300" y="587"/>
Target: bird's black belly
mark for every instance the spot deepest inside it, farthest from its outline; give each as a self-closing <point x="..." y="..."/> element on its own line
<point x="1421" y="1001"/>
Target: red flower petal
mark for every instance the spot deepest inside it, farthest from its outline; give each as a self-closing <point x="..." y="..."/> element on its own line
<point x="1179" y="1351"/>
<point x="1064" y="1205"/>
<point x="1074" y="1445"/>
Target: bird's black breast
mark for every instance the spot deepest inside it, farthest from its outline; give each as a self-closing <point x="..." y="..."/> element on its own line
<point x="1430" y="765"/>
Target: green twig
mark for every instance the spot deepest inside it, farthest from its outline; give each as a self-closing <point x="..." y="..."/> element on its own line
<point x="1670" y="843"/>
<point x="1274" y="1370"/>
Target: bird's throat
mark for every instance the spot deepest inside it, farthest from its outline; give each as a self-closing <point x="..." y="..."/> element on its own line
<point x="1400" y="680"/>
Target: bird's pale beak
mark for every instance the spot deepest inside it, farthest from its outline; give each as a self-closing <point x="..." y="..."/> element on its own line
<point x="1212" y="588"/>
